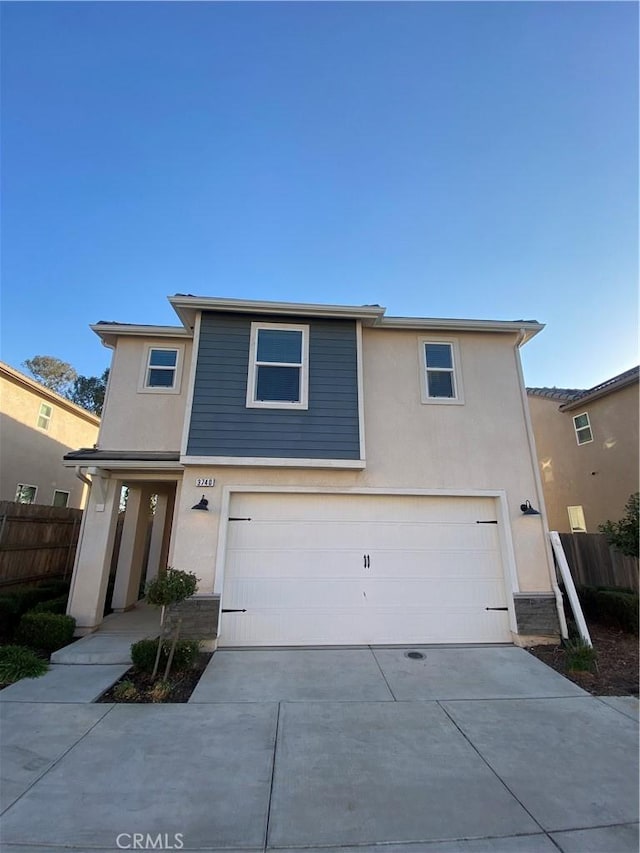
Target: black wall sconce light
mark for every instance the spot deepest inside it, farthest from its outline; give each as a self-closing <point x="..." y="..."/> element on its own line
<point x="203" y="504"/>
<point x="526" y="509"/>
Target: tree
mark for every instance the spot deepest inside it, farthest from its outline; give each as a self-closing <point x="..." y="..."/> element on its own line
<point x="88" y="392"/>
<point x="59" y="376"/>
<point x="623" y="534"/>
<point x="53" y="373"/>
<point x="169" y="587"/>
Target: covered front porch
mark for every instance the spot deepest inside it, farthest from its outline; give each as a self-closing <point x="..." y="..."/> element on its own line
<point x="124" y="542"/>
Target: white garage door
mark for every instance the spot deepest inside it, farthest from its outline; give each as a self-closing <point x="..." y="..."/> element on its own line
<point x="362" y="569"/>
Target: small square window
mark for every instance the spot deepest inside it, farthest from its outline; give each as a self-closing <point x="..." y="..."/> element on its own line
<point x="582" y="427"/>
<point x="26" y="494"/>
<point x="44" y="416"/>
<point x="161" y="370"/>
<point x="278" y="366"/>
<point x="440" y="378"/>
<point x="60" y="498"/>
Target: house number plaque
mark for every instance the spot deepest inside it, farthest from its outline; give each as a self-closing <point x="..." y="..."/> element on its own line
<point x="205" y="482"/>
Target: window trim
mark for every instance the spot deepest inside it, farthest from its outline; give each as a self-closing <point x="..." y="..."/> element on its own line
<point x="26" y="486"/>
<point x="458" y="399"/>
<point x="578" y="429"/>
<point x="60" y="492"/>
<point x="46" y="418"/>
<point x="143" y="388"/>
<point x="252" y="373"/>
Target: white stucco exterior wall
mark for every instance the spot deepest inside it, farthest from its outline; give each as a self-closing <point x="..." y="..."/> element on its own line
<point x="143" y="420"/>
<point x="480" y="445"/>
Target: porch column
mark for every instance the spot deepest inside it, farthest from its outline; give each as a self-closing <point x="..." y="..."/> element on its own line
<point x="160" y="535"/>
<point x="93" y="555"/>
<point x="132" y="546"/>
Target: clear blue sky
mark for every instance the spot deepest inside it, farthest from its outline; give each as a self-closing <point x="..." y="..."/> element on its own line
<point x="441" y="159"/>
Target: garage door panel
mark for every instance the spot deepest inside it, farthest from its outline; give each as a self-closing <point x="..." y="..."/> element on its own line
<point x="380" y="508"/>
<point x="326" y="627"/>
<point x="306" y="593"/>
<point x="298" y="569"/>
<point x="362" y="536"/>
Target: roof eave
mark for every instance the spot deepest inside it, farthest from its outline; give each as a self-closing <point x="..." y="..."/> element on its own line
<point x="590" y="397"/>
<point x="527" y="328"/>
<point x="110" y="332"/>
<point x="186" y="307"/>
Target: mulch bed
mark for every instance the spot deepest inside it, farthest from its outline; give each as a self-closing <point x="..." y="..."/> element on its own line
<point x="617" y="663"/>
<point x="182" y="684"/>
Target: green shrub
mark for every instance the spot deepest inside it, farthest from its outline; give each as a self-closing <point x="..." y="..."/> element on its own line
<point x="610" y="606"/>
<point x="53" y="605"/>
<point x="143" y="654"/>
<point x="17" y="662"/>
<point x="9" y="615"/>
<point x="46" y="631"/>
<point x="56" y="587"/>
<point x="619" y="609"/>
<point x="580" y="656"/>
<point x="27" y="597"/>
<point x="125" y="691"/>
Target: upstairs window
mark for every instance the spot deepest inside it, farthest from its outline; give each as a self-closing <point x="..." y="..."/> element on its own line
<point x="278" y="366"/>
<point x="583" y="428"/>
<point x="161" y="370"/>
<point x="441" y="380"/>
<point x="44" y="416"/>
<point x="26" y="494"/>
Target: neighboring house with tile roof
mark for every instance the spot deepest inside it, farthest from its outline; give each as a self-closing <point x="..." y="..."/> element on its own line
<point x="587" y="445"/>
<point x="37" y="428"/>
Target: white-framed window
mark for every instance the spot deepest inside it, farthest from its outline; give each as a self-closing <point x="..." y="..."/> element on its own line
<point x="60" y="498"/>
<point x="278" y="376"/>
<point x="441" y="381"/>
<point x="161" y="369"/>
<point x="582" y="427"/>
<point x="576" y="519"/>
<point x="26" y="494"/>
<point x="44" y="416"/>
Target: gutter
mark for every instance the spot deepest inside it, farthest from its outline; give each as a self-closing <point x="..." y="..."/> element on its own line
<point x="522" y="336"/>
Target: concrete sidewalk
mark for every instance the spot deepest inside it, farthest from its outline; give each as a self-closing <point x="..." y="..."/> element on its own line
<point x="369" y="759"/>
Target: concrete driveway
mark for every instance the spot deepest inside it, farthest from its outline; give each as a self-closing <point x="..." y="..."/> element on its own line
<point x="464" y="749"/>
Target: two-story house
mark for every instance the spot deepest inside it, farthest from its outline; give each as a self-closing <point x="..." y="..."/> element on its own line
<point x="333" y="476"/>
<point x="37" y="427"/>
<point x="587" y="444"/>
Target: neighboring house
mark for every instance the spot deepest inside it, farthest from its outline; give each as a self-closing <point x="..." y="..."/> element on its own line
<point x="37" y="427"/>
<point x="587" y="444"/>
<point x="361" y="476"/>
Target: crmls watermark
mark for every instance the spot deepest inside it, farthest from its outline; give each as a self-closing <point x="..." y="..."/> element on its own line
<point x="147" y="841"/>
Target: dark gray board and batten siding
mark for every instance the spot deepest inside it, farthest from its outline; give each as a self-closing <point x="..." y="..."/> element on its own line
<point x="222" y="425"/>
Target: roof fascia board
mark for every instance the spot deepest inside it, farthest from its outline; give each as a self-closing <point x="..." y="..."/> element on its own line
<point x="186" y="307"/>
<point x="47" y="393"/>
<point x="110" y="332"/>
<point x="591" y="396"/>
<point x="529" y="328"/>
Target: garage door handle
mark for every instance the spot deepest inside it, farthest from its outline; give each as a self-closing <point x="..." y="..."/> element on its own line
<point x="486" y="522"/>
<point x="232" y="610"/>
<point x="239" y="519"/>
<point x="496" y="608"/>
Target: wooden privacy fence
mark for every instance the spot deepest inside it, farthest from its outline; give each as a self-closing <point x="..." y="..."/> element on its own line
<point x="593" y="562"/>
<point x="37" y="542"/>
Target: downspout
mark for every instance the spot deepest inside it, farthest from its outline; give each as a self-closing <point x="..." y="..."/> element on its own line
<point x="539" y="493"/>
<point x="82" y="476"/>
